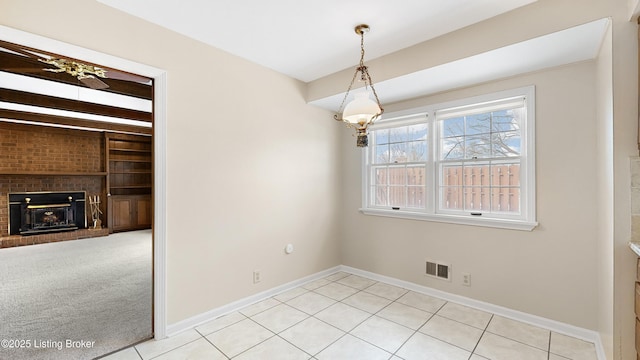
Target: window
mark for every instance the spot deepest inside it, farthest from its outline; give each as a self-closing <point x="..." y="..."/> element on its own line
<point x="469" y="161"/>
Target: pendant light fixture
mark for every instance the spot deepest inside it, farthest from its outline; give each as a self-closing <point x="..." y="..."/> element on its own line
<point x="362" y="111"/>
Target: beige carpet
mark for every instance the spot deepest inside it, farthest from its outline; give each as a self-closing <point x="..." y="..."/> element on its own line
<point x="75" y="299"/>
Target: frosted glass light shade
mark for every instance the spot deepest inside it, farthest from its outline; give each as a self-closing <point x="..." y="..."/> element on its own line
<point x="361" y="110"/>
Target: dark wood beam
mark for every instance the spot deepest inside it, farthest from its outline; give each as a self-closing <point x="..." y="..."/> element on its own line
<point x="76" y="122"/>
<point x="52" y="102"/>
<point x="31" y="67"/>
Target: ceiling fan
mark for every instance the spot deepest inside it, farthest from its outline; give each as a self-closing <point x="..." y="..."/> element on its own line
<point x="85" y="73"/>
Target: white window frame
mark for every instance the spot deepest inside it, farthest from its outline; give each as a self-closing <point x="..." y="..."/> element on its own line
<point x="526" y="220"/>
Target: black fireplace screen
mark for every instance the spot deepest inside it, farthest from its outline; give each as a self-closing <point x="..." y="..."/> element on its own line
<point x="36" y="213"/>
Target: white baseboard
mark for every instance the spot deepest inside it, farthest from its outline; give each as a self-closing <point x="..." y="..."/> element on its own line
<point x="194" y="321"/>
<point x="552" y="325"/>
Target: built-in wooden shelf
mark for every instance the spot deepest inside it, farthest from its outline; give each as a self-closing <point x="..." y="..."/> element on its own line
<point x="130" y="150"/>
<point x="52" y="173"/>
<point x="131" y="172"/>
<point x="129" y="181"/>
<point x="130" y="160"/>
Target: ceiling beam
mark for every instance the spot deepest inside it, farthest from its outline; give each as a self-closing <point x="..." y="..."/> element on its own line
<point x="31" y="67"/>
<point x="74" y="122"/>
<point x="52" y="102"/>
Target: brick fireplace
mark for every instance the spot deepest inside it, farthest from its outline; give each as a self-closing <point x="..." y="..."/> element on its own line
<point x="45" y="159"/>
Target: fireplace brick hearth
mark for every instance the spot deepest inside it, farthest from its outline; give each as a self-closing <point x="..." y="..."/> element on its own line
<point x="18" y="240"/>
<point x="43" y="159"/>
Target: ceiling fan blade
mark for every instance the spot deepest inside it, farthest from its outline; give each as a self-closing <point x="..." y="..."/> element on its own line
<point x="22" y="70"/>
<point x="118" y="75"/>
<point x="94" y="83"/>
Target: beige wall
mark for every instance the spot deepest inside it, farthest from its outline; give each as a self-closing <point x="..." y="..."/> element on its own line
<point x="546" y="272"/>
<point x="555" y="271"/>
<point x="250" y="166"/>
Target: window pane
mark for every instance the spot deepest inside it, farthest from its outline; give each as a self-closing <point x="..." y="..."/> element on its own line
<point x="452" y="148"/>
<point x="416" y="176"/>
<point x="505" y="199"/>
<point x="397" y="176"/>
<point x="417" y="151"/>
<point x="505" y="175"/>
<point x="507" y="120"/>
<point x="381" y="154"/>
<point x="398" y="134"/>
<point x="477" y="198"/>
<point x="506" y="144"/>
<point x="380" y="176"/>
<point x="452" y="175"/>
<point x="476" y="175"/>
<point x="398" y="153"/>
<point x="478" y="147"/>
<point x="416" y="197"/>
<point x="451" y="198"/>
<point x="397" y="196"/>
<point x="381" y="136"/>
<point x="478" y="124"/>
<point x="417" y="132"/>
<point x="381" y="196"/>
<point x="452" y="127"/>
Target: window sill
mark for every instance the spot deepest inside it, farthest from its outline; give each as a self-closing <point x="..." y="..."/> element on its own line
<point x="453" y="219"/>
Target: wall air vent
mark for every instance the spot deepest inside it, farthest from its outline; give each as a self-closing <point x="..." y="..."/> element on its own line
<point x="438" y="270"/>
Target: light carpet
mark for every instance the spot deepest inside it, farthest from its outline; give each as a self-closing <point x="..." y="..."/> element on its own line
<point x="76" y="299"/>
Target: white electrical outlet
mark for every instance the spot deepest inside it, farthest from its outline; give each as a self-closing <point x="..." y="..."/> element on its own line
<point x="466" y="279"/>
<point x="257" y="277"/>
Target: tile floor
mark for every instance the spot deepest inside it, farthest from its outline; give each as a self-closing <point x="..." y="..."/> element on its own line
<point x="344" y="316"/>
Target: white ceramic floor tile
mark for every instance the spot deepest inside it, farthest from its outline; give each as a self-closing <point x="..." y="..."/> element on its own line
<point x="452" y="332"/>
<point x="336" y="291"/>
<point x="386" y="291"/>
<point x="356" y="281"/>
<point x="239" y="337"/>
<point x="279" y="317"/>
<point x="153" y="348"/>
<point x="477" y="357"/>
<point x="220" y="323"/>
<point x="352" y="348"/>
<point x="383" y="333"/>
<point x="316" y="284"/>
<point x="274" y="348"/>
<point x="312" y="335"/>
<point x="466" y="315"/>
<point x="288" y="295"/>
<point x="572" y="348"/>
<point x="337" y="276"/>
<point x="519" y="331"/>
<point x="367" y="302"/>
<point x="259" y="307"/>
<point x="198" y="350"/>
<point x="342" y="316"/>
<point x="405" y="315"/>
<point x="311" y="302"/>
<point x="421" y="301"/>
<point x="557" y="357"/>
<point x="126" y="354"/>
<point x="496" y="347"/>
<point x="421" y="346"/>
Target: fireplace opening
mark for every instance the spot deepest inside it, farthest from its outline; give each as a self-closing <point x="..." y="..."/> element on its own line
<point x="37" y="213"/>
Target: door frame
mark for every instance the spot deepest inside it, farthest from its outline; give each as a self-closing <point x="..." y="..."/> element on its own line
<point x="159" y="152"/>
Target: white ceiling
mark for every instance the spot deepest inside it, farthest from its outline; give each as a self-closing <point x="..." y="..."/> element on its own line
<point x="309" y="39"/>
<point x="575" y="44"/>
